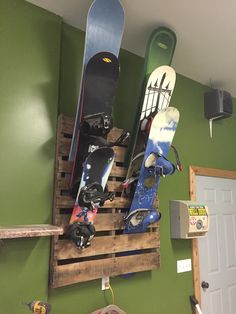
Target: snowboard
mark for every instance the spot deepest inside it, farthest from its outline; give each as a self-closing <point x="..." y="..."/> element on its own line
<point x="143" y="210"/>
<point x="100" y="82"/>
<point x="91" y="194"/>
<point x="104" y="30"/>
<point x="159" y="51"/>
<point x="157" y="97"/>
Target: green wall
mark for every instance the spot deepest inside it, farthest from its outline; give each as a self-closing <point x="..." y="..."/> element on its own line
<point x="29" y="80"/>
<point x="33" y="81"/>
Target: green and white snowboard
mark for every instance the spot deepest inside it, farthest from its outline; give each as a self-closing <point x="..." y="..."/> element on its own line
<point x="159" y="52"/>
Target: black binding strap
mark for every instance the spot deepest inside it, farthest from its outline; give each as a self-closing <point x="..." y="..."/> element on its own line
<point x="93" y="194"/>
<point x="98" y="124"/>
<point x="81" y="234"/>
<point x="178" y="164"/>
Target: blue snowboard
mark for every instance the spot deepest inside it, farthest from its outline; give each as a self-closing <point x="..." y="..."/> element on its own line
<point x="104" y="30"/>
<point x="143" y="211"/>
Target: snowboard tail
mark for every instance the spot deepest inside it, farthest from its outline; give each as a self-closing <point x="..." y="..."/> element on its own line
<point x="91" y="194"/>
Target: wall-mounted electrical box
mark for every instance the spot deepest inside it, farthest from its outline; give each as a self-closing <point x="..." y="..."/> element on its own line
<point x="188" y="219"/>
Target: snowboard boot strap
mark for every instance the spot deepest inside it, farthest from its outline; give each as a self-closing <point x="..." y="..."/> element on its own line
<point x="162" y="165"/>
<point x="159" y="165"/>
<point x="146" y="124"/>
<point x="139" y="220"/>
<point x="121" y="139"/>
<point x="129" y="181"/>
<point x="93" y="195"/>
<point x="179" y="166"/>
<point x="81" y="234"/>
<point x="98" y="124"/>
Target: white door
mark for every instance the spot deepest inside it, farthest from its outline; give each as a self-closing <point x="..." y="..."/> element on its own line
<point x="217" y="251"/>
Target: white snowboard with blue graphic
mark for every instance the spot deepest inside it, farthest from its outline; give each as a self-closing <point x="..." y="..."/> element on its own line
<point x="143" y="211"/>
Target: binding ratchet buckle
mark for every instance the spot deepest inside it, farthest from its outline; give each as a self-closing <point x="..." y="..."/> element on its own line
<point x="93" y="195"/>
<point x="98" y="124"/>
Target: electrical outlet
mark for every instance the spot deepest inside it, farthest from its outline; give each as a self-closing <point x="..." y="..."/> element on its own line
<point x="105" y="283"/>
<point x="184" y="265"/>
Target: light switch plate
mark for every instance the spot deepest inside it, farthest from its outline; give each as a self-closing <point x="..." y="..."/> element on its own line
<point x="184" y="265"/>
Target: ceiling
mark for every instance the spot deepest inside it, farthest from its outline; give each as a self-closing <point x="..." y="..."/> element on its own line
<point x="205" y="30"/>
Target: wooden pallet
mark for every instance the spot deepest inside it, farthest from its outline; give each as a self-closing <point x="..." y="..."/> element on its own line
<point x="71" y="265"/>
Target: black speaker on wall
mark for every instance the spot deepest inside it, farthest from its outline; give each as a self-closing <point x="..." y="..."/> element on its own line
<point x="217" y="104"/>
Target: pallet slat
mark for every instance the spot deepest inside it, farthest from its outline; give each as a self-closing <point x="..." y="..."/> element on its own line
<point x="103" y="222"/>
<point x="64" y="183"/>
<point x="64" y="149"/>
<point x="110" y="267"/>
<point x="108" y="244"/>
<point x="104" y="257"/>
<point x="68" y="202"/>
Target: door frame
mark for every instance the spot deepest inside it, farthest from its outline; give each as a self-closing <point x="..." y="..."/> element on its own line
<point x="208" y="172"/>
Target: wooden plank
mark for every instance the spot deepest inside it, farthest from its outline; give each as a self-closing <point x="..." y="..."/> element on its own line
<point x="114" y="134"/>
<point x="66" y="166"/>
<point x="63" y="183"/>
<point x="119" y="172"/>
<point x="26" y="231"/>
<point x="119" y="153"/>
<point x="195" y="257"/>
<point x="103" y="222"/>
<point x="64" y="146"/>
<point x="95" y="269"/>
<point x="213" y="172"/>
<point x="113" y="186"/>
<point x="67" y="124"/>
<point x="64" y="149"/>
<point x="68" y="202"/>
<point x="108" y="244"/>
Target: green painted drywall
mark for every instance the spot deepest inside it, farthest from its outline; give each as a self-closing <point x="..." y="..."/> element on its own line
<point x="72" y="49"/>
<point x="29" y="77"/>
<point x="29" y="59"/>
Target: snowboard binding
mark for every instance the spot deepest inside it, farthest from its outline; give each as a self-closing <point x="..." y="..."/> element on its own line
<point x="92" y="196"/>
<point x="139" y="220"/>
<point x="98" y="124"/>
<point x="121" y="139"/>
<point x="94" y="143"/>
<point x="157" y="164"/>
<point x="81" y="234"/>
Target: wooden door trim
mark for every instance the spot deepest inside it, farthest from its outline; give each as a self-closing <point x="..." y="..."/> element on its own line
<point x="209" y="172"/>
